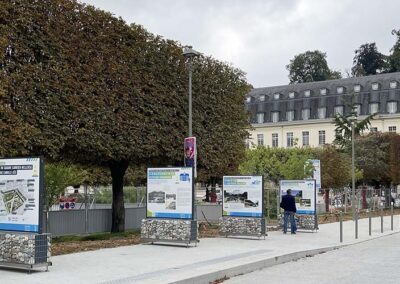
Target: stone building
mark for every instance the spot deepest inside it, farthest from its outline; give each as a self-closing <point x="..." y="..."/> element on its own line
<point x="302" y="114"/>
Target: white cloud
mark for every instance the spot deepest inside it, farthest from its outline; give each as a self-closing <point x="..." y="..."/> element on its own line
<point x="259" y="36"/>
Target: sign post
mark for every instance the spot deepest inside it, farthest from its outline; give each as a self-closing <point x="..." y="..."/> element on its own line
<point x="21" y="213"/>
<point x="170" y="206"/>
<point x="304" y="192"/>
<point x="243" y="206"/>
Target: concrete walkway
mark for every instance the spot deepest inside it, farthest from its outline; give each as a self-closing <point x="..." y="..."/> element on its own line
<point x="212" y="259"/>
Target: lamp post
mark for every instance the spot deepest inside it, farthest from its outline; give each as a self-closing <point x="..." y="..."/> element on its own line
<point x="353" y="120"/>
<point x="189" y="54"/>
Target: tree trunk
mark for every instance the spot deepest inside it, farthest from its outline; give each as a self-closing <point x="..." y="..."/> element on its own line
<point x="118" y="169"/>
<point x="326" y="200"/>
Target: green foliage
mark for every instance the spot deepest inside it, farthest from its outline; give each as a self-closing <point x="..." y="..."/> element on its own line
<point x="372" y="156"/>
<point x="278" y="163"/>
<point x="57" y="177"/>
<point x="368" y="60"/>
<point x="81" y="85"/>
<point x="310" y="66"/>
<point x="394" y="57"/>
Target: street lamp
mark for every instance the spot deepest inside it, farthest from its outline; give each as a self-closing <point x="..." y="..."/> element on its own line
<point x="353" y="120"/>
<point x="189" y="54"/>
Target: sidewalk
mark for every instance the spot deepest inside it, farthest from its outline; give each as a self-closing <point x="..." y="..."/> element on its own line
<point x="212" y="259"/>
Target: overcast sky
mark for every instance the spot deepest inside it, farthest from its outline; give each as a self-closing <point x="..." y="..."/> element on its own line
<point x="261" y="36"/>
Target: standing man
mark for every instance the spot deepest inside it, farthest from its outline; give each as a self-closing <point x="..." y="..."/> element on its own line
<point x="288" y="204"/>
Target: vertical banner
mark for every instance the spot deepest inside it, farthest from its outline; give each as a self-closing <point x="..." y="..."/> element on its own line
<point x="316" y="173"/>
<point x="190" y="153"/>
<point x="170" y="193"/>
<point x="243" y="196"/>
<point x="21" y="193"/>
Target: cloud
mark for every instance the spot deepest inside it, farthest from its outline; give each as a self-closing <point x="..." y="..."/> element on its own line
<point x="259" y="36"/>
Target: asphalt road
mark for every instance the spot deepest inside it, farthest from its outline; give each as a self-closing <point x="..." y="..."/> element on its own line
<point x="375" y="261"/>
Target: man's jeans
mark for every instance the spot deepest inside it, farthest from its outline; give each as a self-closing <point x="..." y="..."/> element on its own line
<point x="286" y="216"/>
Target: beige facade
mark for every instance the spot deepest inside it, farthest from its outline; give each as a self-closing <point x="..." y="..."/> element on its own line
<point x="320" y="131"/>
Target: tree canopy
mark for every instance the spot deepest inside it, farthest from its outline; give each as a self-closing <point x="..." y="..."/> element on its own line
<point x="81" y="85"/>
<point x="310" y="66"/>
<point x="368" y="60"/>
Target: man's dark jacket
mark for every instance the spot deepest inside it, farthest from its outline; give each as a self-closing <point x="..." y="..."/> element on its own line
<point x="288" y="203"/>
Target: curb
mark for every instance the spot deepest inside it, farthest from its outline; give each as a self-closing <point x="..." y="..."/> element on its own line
<point x="265" y="263"/>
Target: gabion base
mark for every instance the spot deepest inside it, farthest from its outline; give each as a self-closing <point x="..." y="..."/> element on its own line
<point x="24" y="249"/>
<point x="304" y="222"/>
<point x="242" y="226"/>
<point x="169" y="230"/>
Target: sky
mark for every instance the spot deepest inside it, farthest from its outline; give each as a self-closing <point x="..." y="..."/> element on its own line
<point x="260" y="37"/>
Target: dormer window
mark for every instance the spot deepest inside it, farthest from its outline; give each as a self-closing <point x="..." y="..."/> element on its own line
<point x="357" y="88"/>
<point x="248" y="99"/>
<point x="393" y="85"/>
<point x="307" y="93"/>
<point x="262" y="98"/>
<point x="291" y="95"/>
<point x="375" y="86"/>
<point x="340" y="90"/>
<point x="323" y="91"/>
<point x="276" y="96"/>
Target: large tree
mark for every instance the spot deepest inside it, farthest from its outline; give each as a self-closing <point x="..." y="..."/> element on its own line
<point x="310" y="66"/>
<point x="368" y="60"/>
<point x="394" y="57"/>
<point x="93" y="90"/>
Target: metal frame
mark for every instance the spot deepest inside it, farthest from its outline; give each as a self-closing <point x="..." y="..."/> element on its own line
<point x="315" y="203"/>
<point x="28" y="267"/>
<point x="41" y="193"/>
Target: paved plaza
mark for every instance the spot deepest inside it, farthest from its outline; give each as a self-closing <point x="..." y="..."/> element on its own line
<point x="212" y="259"/>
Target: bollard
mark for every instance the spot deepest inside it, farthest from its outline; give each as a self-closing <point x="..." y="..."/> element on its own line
<point x="356" y="227"/>
<point x="391" y="216"/>
<point x="381" y="219"/>
<point x="341" y="227"/>
<point x="369" y="221"/>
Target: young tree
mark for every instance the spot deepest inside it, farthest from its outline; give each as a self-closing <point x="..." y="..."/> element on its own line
<point x="343" y="123"/>
<point x="368" y="60"/>
<point x="310" y="66"/>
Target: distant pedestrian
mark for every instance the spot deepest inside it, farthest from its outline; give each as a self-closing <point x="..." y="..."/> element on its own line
<point x="288" y="204"/>
<point x="207" y="195"/>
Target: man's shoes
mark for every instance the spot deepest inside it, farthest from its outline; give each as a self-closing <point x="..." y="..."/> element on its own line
<point x="293" y="233"/>
<point x="284" y="232"/>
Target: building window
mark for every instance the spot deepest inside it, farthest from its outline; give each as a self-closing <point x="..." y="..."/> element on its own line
<point x="291" y="95"/>
<point x="290" y="115"/>
<point x="392" y="107"/>
<point x="321" y="112"/>
<point x="357" y="109"/>
<point x="392" y="129"/>
<point x="307" y="93"/>
<point x="321" y="137"/>
<point x="375" y="86"/>
<point x="276" y="96"/>
<point x="260" y="139"/>
<point x="393" y="85"/>
<point x="340" y="90"/>
<point x="323" y="91"/>
<point x="373" y="108"/>
<point x="248" y="99"/>
<point x="306" y="138"/>
<point x="262" y="98"/>
<point x="373" y="129"/>
<point x="275" y="116"/>
<point x="289" y="139"/>
<point x="305" y="114"/>
<point x="338" y="110"/>
<point x="275" y="140"/>
<point x="260" y="117"/>
<point x="357" y="88"/>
